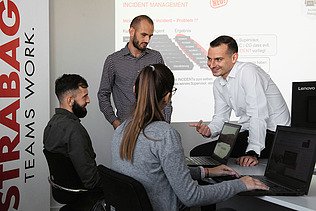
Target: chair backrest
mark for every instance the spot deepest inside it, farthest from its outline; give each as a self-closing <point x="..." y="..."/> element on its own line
<point x="62" y="173"/>
<point x="123" y="192"/>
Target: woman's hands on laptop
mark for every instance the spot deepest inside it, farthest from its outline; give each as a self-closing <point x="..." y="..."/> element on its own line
<point x="221" y="170"/>
<point x="253" y="184"/>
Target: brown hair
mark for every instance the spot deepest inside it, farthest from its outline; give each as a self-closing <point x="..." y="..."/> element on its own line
<point x="152" y="84"/>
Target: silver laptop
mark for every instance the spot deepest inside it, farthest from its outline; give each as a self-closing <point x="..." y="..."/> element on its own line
<point x="222" y="150"/>
<point x="291" y="164"/>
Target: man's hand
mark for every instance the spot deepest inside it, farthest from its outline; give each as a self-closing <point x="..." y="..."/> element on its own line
<point x="247" y="160"/>
<point x="202" y="129"/>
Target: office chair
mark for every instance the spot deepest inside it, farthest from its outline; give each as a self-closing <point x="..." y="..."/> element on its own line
<point x="123" y="192"/>
<point x="65" y="182"/>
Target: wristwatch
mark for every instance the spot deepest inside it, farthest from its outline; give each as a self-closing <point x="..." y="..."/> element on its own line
<point x="252" y="153"/>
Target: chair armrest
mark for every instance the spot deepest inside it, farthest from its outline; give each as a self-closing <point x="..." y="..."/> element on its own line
<point x="51" y="182"/>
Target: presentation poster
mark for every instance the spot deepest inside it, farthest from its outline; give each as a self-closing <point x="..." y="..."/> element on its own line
<point x="24" y="104"/>
<point x="279" y="36"/>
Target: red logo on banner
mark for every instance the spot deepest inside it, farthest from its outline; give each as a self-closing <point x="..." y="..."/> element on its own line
<point x="9" y="89"/>
<point x="218" y="3"/>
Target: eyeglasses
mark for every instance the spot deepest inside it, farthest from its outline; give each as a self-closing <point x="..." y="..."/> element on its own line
<point x="173" y="91"/>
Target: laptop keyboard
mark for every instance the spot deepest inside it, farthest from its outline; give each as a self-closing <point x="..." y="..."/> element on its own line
<point x="201" y="161"/>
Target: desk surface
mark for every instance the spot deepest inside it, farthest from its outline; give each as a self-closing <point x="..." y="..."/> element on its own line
<point x="302" y="203"/>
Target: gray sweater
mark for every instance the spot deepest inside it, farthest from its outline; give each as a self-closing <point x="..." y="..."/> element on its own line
<point x="160" y="166"/>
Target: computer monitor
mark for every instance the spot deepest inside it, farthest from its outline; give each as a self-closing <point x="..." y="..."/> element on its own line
<point x="303" y="112"/>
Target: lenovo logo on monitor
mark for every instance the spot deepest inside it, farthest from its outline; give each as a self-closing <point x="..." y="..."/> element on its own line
<point x="306" y="88"/>
<point x="303" y="112"/>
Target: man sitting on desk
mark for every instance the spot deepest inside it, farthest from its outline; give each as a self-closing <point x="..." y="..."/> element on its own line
<point x="254" y="97"/>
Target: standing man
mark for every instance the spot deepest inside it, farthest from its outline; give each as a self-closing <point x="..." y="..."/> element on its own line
<point x="121" y="70"/>
<point x="64" y="134"/>
<point x="250" y="92"/>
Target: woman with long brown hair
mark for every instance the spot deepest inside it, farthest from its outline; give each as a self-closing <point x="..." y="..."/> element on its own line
<point x="149" y="149"/>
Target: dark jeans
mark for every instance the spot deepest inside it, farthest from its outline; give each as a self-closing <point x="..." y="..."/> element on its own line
<point x="239" y="147"/>
<point x="242" y="143"/>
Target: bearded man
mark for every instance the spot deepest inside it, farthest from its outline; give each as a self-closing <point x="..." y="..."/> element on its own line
<point x="64" y="134"/>
<point x="121" y="70"/>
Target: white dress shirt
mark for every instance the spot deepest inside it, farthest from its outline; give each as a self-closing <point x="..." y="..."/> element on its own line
<point x="255" y="99"/>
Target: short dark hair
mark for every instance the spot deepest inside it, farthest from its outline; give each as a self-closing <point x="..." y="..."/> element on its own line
<point x="68" y="82"/>
<point x="139" y="18"/>
<point x="229" y="41"/>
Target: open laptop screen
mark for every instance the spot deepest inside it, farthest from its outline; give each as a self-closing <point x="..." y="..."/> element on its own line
<point x="293" y="157"/>
<point x="226" y="140"/>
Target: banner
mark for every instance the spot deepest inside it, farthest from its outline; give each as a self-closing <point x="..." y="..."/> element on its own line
<point x="24" y="104"/>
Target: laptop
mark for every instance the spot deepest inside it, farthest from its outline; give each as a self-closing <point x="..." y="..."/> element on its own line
<point x="222" y="150"/>
<point x="291" y="164"/>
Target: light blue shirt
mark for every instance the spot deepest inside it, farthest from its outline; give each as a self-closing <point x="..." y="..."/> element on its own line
<point x="256" y="100"/>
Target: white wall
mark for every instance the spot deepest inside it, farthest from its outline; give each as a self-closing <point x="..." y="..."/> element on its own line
<point x="81" y="36"/>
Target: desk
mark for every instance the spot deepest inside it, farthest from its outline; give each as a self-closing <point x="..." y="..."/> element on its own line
<point x="302" y="203"/>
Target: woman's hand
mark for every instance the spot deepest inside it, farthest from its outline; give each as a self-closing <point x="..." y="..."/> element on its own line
<point x="252" y="183"/>
<point x="221" y="170"/>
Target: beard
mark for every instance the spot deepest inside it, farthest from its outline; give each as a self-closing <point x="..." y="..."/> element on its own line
<point x="79" y="111"/>
<point x="137" y="45"/>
